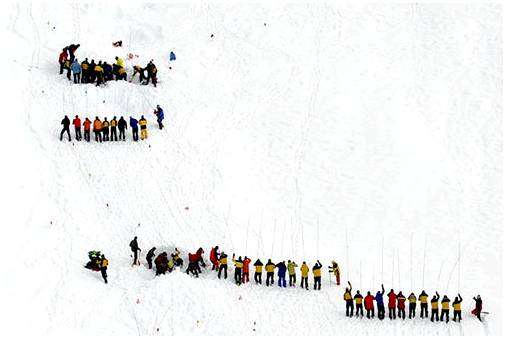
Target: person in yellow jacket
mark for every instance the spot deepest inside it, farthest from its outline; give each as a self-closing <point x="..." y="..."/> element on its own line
<point x="121" y="74"/>
<point x="258" y="271"/>
<point x="103" y="267"/>
<point x="114" y="133"/>
<point x="269" y="268"/>
<point x="304" y="273"/>
<point x="412" y="305"/>
<point x="423" y="298"/>
<point x="144" y="127"/>
<point x="317" y="274"/>
<point x="457" y="310"/>
<point x="119" y="62"/>
<point x="334" y="269"/>
<point x="358" y="304"/>
<point x="349" y="300"/>
<point x="223" y="265"/>
<point x="99" y="73"/>
<point x="105" y="130"/>
<point x="238" y="269"/>
<point x="445" y="308"/>
<point x="434" y="304"/>
<point x="291" y="272"/>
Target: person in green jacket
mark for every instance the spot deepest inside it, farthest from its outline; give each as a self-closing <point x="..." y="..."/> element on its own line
<point x="291" y="272"/>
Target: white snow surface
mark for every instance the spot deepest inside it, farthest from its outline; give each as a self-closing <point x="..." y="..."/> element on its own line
<point x="366" y="133"/>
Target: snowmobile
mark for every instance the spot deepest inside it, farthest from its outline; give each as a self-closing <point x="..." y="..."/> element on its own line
<point x="94" y="263"/>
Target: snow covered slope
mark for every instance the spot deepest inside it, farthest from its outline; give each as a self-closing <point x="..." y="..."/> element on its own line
<point x="368" y="134"/>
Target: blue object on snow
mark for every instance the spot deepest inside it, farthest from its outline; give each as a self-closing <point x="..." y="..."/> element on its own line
<point x="75" y="67"/>
<point x="133" y="123"/>
<point x="172" y="56"/>
<point x="160" y="114"/>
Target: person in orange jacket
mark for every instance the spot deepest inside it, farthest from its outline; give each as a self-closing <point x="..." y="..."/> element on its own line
<point x="97" y="129"/>
<point x="77" y="127"/>
<point x="245" y="269"/>
<point x="87" y="127"/>
<point x="369" y="305"/>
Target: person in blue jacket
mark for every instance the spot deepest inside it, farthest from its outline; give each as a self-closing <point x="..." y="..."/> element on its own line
<point x="159" y="116"/>
<point x="281" y="274"/>
<point x="379" y="303"/>
<point x="76" y="70"/>
<point x="135" y="128"/>
<point x="172" y="56"/>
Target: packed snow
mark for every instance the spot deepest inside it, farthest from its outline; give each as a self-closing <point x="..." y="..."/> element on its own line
<point x="368" y="134"/>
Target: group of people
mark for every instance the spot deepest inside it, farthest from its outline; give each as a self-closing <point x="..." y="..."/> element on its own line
<point x="90" y="72"/>
<point x="219" y="261"/>
<point x="105" y="130"/>
<point x="355" y="304"/>
<point x="397" y="305"/>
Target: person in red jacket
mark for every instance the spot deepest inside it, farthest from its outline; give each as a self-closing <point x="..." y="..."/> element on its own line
<point x="401" y="305"/>
<point x="195" y="260"/>
<point x="369" y="305"/>
<point x="392" y="298"/>
<point x="77" y="127"/>
<point x="245" y="269"/>
<point x="62" y="59"/>
<point x="213" y="257"/>
<point x="87" y="127"/>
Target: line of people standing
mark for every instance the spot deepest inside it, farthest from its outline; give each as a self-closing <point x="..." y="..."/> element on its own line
<point x="397" y="305"/>
<point x="105" y="130"/>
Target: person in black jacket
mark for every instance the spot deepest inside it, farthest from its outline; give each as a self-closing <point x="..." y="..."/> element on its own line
<point x="72" y="52"/>
<point x="108" y="74"/>
<point x="150" y="256"/>
<point x="152" y="71"/>
<point x="134" y="246"/>
<point x="122" y="126"/>
<point x="92" y="75"/>
<point x="66" y="124"/>
<point x="478" y="307"/>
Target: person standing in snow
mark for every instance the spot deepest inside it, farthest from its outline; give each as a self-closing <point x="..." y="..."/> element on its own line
<point x="401" y="305"/>
<point x="478" y="306"/>
<point x="349" y="300"/>
<point x="103" y="267"/>
<point x="66" y="124"/>
<point x="334" y="269"/>
<point x="62" y="59"/>
<point x="269" y="268"/>
<point x="223" y="265"/>
<point x="258" y="271"/>
<point x="122" y="126"/>
<point x="87" y="127"/>
<point x="194" y="262"/>
<point x="457" y="310"/>
<point x="424" y="304"/>
<point x="392" y="299"/>
<point x="135" y="129"/>
<point x="304" y="273"/>
<point x="238" y="269"/>
<point x="245" y="269"/>
<point x="152" y="71"/>
<point x="76" y="71"/>
<point x="292" y="278"/>
<point x="85" y="65"/>
<point x="159" y="116"/>
<point x="77" y="127"/>
<point x="172" y="56"/>
<point x="105" y="129"/>
<point x="369" y="305"/>
<point x="445" y="308"/>
<point x="97" y="129"/>
<point x="317" y="274"/>
<point x="114" y="134"/>
<point x="99" y="73"/>
<point x="213" y="258"/>
<point x="379" y="303"/>
<point x="144" y="127"/>
<point x="150" y="256"/>
<point x="358" y="304"/>
<point x="412" y="305"/>
<point x="434" y="304"/>
<point x="281" y="274"/>
<point x="134" y="247"/>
